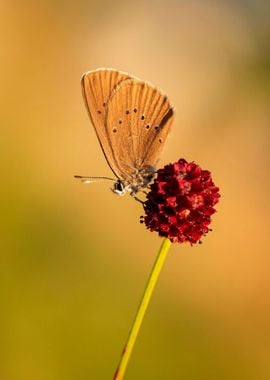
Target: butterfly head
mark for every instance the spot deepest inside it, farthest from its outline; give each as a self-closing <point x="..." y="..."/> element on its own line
<point x="119" y="188"/>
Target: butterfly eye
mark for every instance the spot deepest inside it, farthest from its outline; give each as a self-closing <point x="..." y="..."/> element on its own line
<point x="119" y="186"/>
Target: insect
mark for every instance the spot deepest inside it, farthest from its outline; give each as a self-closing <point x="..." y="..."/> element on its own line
<point x="132" y="120"/>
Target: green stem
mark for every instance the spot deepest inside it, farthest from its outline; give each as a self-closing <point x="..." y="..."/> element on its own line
<point x="120" y="372"/>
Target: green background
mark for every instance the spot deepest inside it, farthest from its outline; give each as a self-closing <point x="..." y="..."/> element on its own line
<point x="74" y="257"/>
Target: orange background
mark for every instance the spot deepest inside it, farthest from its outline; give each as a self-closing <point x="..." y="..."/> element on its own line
<point x="74" y="258"/>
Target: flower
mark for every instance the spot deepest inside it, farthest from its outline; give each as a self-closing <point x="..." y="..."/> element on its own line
<point x="180" y="202"/>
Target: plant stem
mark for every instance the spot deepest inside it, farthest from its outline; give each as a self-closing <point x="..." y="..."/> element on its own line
<point x="162" y="254"/>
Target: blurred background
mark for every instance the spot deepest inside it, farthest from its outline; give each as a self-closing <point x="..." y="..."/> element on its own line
<point x="74" y="257"/>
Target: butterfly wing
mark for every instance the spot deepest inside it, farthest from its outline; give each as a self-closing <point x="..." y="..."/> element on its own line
<point x="138" y="122"/>
<point x="97" y="87"/>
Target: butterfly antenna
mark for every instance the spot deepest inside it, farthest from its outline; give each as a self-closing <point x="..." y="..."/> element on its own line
<point x="90" y="179"/>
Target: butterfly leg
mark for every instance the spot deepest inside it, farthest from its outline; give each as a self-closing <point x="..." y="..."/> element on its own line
<point x="136" y="198"/>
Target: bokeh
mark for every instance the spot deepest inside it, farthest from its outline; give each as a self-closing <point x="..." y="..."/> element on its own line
<point x="74" y="257"/>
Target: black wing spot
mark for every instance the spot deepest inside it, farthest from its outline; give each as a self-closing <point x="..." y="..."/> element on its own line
<point x="135" y="110"/>
<point x="127" y="112"/>
<point x="148" y="126"/>
<point x="104" y="104"/>
<point x="168" y="115"/>
<point x="99" y="111"/>
<point x="142" y="117"/>
<point x="160" y="140"/>
<point x="156" y="127"/>
<point x="114" y="130"/>
<point x="120" y="121"/>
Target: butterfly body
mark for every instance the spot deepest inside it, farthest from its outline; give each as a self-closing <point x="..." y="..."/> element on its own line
<point x="132" y="120"/>
<point x="137" y="181"/>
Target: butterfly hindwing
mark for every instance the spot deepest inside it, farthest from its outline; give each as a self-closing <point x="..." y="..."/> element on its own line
<point x="138" y="122"/>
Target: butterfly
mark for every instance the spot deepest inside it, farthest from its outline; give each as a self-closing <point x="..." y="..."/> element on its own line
<point x="132" y="120"/>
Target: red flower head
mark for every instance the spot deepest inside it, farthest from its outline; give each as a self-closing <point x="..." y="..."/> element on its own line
<point x="180" y="202"/>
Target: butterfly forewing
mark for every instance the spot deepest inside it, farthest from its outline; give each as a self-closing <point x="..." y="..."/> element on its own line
<point x="97" y="88"/>
<point x="138" y="122"/>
